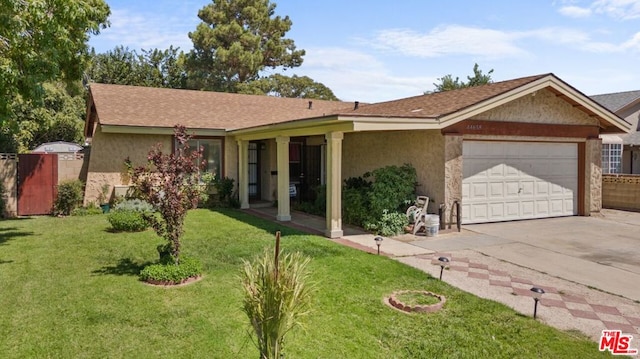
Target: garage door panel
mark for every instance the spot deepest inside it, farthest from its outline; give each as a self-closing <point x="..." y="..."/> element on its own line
<point x="479" y="211"/>
<point x="558" y="206"/>
<point x="496" y="210"/>
<point x="479" y="191"/>
<point x="512" y="189"/>
<point x="527" y="188"/>
<point x="542" y="208"/>
<point x="521" y="180"/>
<point x="512" y="210"/>
<point x="542" y="188"/>
<point x="511" y="171"/>
<point x="498" y="170"/>
<point x="496" y="189"/>
<point x="527" y="208"/>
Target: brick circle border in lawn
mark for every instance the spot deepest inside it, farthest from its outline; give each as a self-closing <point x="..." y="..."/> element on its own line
<point x="393" y="301"/>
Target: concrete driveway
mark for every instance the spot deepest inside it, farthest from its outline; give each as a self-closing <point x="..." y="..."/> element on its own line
<point x="602" y="251"/>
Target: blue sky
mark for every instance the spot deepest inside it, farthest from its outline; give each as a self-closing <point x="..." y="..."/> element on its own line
<point x="371" y="50"/>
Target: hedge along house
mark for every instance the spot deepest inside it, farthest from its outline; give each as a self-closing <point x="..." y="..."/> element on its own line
<point x="519" y="149"/>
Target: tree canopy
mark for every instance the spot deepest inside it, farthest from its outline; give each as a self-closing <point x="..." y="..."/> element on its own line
<point x="284" y="86"/>
<point x="235" y="41"/>
<point x="447" y="82"/>
<point x="43" y="41"/>
<point x="152" y="68"/>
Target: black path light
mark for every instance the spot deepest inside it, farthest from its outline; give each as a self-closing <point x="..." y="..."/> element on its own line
<point x="378" y="243"/>
<point x="537" y="294"/>
<point x="444" y="263"/>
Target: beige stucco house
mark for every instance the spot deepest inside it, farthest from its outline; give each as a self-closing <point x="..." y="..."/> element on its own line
<point x="520" y="149"/>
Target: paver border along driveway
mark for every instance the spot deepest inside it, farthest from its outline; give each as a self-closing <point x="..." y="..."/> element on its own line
<point x="599" y="251"/>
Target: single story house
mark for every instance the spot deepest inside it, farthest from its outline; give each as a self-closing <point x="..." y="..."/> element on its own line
<point x="519" y="149"/>
<point x="621" y="153"/>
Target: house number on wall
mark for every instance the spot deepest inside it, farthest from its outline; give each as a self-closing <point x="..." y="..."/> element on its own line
<point x="474" y="127"/>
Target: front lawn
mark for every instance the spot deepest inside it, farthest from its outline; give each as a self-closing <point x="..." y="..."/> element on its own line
<point x="69" y="289"/>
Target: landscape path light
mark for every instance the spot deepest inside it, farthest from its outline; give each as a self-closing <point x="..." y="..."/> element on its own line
<point x="444" y="263"/>
<point x="537" y="294"/>
<point x="378" y="242"/>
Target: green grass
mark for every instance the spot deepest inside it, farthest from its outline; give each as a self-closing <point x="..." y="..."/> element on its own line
<point x="69" y="288"/>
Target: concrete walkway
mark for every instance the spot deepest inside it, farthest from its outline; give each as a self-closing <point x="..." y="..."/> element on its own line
<point x="567" y="257"/>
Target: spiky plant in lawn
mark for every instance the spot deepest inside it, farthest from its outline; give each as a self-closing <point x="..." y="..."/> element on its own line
<point x="170" y="183"/>
<point x="276" y="297"/>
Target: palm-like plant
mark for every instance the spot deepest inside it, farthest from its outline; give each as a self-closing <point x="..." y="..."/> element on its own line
<point x="276" y="296"/>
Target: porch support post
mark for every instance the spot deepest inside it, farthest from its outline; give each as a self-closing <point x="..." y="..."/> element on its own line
<point x="282" y="156"/>
<point x="334" y="184"/>
<point x="243" y="173"/>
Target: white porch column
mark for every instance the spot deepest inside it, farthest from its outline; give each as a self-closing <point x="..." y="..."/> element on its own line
<point x="334" y="184"/>
<point x="282" y="156"/>
<point x="243" y="173"/>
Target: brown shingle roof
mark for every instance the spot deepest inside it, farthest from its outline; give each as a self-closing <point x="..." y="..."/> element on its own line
<point x="441" y="103"/>
<point x="159" y="107"/>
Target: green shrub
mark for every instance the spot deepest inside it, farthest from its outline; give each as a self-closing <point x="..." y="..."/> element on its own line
<point x="355" y="206"/>
<point x="90" y="210"/>
<point x="172" y="273"/>
<point x="392" y="187"/>
<point x="364" y="202"/>
<point x="226" y="197"/>
<point x="70" y="194"/>
<point x="390" y="224"/>
<point x="125" y="220"/>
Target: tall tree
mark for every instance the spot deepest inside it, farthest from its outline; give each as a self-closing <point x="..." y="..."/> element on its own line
<point x="284" y="86"/>
<point x="235" y="41"/>
<point x="43" y="41"/>
<point x="447" y="82"/>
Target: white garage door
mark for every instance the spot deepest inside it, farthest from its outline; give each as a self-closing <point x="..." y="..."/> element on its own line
<point x="505" y="181"/>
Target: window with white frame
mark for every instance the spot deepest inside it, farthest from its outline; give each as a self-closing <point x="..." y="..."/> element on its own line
<point x="611" y="157"/>
<point x="211" y="154"/>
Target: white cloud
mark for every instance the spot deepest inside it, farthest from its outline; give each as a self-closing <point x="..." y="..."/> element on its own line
<point x="633" y="44"/>
<point x="356" y="76"/>
<point x="620" y="9"/>
<point x="489" y="43"/>
<point x="447" y="40"/>
<point x="138" y="31"/>
<point x="575" y="11"/>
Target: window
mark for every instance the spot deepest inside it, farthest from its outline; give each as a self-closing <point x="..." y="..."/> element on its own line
<point x="211" y="154"/>
<point x="611" y="157"/>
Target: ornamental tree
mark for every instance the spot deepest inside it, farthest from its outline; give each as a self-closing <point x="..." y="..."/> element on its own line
<point x="170" y="182"/>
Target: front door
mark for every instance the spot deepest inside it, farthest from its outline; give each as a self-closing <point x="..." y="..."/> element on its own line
<point x="254" y="170"/>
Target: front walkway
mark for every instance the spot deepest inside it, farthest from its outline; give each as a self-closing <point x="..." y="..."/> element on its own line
<point x="565" y="305"/>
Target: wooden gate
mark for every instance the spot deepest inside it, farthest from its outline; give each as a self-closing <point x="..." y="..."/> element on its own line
<point x="37" y="181"/>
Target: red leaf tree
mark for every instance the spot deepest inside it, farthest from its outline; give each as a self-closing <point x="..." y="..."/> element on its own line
<point x="170" y="182"/>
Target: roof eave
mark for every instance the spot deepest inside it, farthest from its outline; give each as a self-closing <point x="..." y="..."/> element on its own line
<point x="154" y="130"/>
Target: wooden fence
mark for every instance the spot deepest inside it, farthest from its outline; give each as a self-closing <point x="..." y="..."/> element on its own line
<point x="71" y="166"/>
